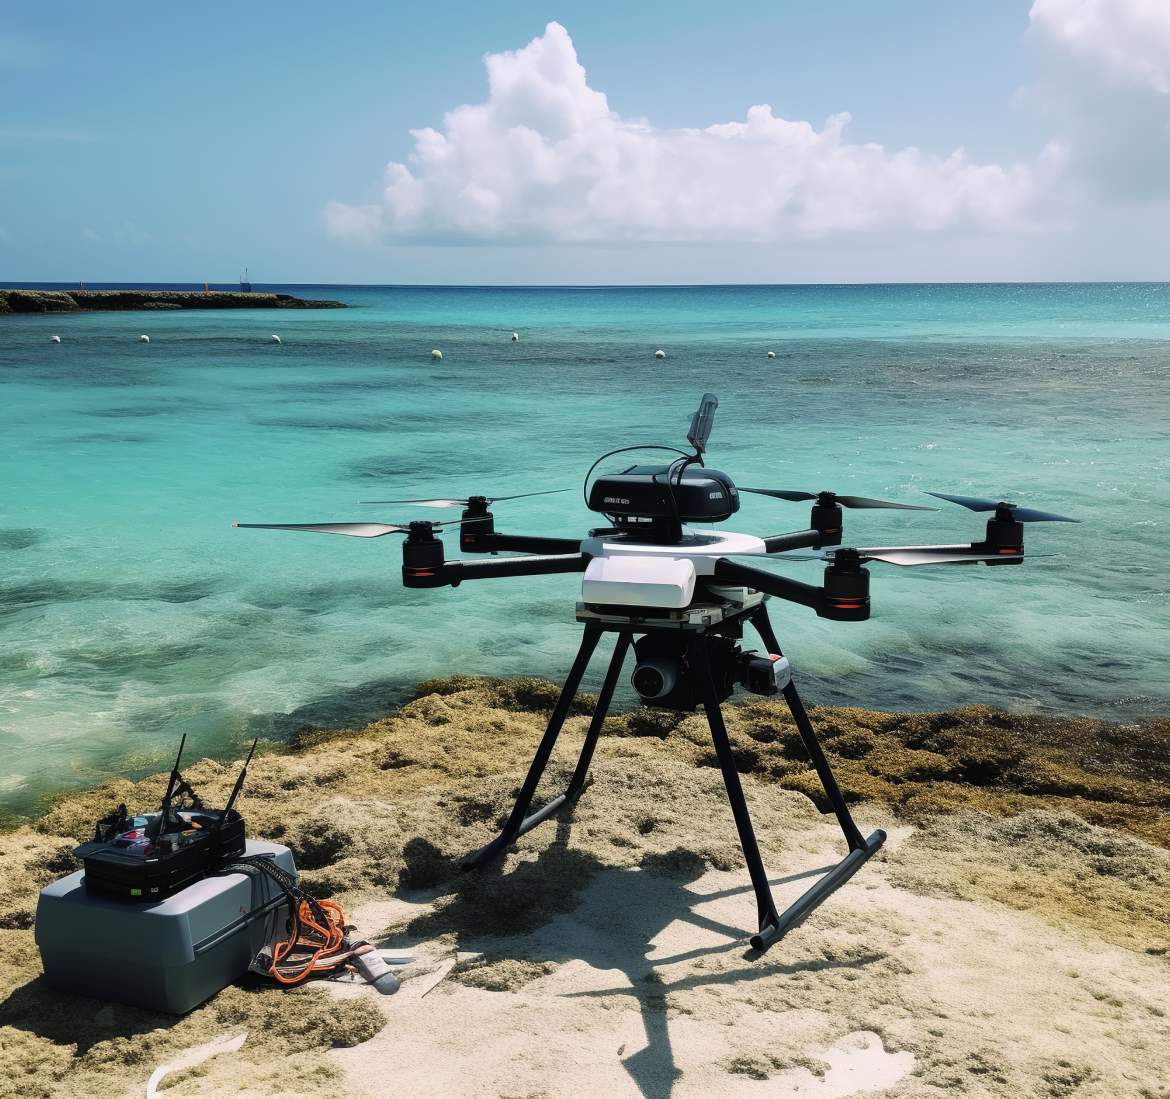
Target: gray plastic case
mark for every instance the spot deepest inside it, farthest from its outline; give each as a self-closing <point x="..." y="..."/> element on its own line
<point x="168" y="956"/>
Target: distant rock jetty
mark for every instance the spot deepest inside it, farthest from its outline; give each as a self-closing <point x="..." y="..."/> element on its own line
<point x="87" y="301"/>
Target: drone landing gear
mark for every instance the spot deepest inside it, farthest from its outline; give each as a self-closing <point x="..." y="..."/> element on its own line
<point x="773" y="925"/>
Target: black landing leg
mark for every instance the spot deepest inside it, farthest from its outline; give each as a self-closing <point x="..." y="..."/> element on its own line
<point x="859" y="849"/>
<point x="769" y="920"/>
<point x="518" y="822"/>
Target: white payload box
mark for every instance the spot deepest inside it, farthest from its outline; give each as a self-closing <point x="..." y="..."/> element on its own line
<point x="169" y="956"/>
<point x="639" y="581"/>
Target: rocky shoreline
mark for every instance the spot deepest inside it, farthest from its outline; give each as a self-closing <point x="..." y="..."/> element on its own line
<point x="88" y="301"/>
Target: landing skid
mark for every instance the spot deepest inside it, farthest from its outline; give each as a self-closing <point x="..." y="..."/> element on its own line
<point x="773" y="926"/>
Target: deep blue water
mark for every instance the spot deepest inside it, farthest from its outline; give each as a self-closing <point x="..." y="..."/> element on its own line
<point x="131" y="611"/>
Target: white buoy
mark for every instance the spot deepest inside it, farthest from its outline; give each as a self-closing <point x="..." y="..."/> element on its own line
<point x="660" y="354"/>
<point x="771" y="354"/>
<point x="54" y="339"/>
<point x="276" y="337"/>
<point x="146" y="339"/>
<point x="515" y="337"/>
<point x="436" y="354"/>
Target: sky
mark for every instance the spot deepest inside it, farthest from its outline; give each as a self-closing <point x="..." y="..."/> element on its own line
<point x="584" y="143"/>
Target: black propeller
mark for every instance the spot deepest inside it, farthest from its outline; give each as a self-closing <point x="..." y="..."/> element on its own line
<point x="445" y="503"/>
<point x="354" y="530"/>
<point x="828" y="499"/>
<point x="1012" y="512"/>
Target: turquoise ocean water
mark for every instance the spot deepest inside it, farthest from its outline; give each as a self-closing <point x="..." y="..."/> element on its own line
<point x="132" y="612"/>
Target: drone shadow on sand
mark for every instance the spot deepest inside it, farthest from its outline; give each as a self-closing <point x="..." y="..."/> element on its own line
<point x="576" y="908"/>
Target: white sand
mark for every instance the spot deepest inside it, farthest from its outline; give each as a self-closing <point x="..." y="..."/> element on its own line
<point x="655" y="993"/>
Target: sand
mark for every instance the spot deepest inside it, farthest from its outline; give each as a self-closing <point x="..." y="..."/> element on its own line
<point x="1010" y="940"/>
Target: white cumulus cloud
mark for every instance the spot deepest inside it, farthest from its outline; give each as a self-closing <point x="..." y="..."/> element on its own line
<point x="546" y="159"/>
<point x="1125" y="43"/>
<point x="1106" y="67"/>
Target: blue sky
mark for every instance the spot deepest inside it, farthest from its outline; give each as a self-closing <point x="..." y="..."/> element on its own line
<point x="148" y="142"/>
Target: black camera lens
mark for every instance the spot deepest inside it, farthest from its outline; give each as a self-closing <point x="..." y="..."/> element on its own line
<point x="655" y="677"/>
<point x="648" y="681"/>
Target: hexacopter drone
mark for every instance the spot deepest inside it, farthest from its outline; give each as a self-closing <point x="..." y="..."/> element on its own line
<point x="676" y="594"/>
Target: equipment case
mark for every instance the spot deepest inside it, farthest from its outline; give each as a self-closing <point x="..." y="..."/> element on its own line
<point x="169" y="956"/>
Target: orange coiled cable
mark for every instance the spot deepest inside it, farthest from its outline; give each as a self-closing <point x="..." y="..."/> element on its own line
<point x="312" y="942"/>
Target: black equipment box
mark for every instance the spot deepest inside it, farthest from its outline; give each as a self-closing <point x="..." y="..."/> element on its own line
<point x="142" y="878"/>
<point x="150" y="858"/>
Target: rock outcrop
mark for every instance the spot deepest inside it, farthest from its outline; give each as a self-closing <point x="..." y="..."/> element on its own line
<point x="37" y="301"/>
<point x="82" y="301"/>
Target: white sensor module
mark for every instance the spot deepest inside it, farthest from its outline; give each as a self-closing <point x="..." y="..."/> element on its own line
<point x="639" y="581"/>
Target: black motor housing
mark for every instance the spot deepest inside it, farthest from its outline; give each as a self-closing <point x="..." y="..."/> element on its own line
<point x="1004" y="535"/>
<point x="700" y="496"/>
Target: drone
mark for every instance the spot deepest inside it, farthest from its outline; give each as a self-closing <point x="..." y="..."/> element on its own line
<point x="680" y="595"/>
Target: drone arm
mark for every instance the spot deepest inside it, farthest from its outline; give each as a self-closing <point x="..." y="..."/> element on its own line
<point x="453" y="573"/>
<point x="780" y="586"/>
<point x="798" y="539"/>
<point x="521" y="543"/>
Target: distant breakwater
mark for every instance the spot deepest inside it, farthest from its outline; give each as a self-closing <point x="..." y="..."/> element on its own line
<point x="87" y="301"/>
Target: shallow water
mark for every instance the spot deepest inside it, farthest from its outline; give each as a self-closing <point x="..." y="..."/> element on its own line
<point x="131" y="611"/>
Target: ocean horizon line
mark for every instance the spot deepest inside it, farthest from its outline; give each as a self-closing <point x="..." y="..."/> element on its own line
<point x="234" y="286"/>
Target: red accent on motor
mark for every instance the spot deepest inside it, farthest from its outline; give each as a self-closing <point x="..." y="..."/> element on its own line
<point x="422" y="557"/>
<point x="846" y="588"/>
<point x="477" y="522"/>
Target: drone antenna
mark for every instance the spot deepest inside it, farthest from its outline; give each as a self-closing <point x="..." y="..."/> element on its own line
<point x="701" y="423"/>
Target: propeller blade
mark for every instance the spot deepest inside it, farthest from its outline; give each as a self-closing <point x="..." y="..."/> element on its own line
<point x="844" y="501"/>
<point x="444" y="503"/>
<point x="354" y="530"/>
<point x="966" y="501"/>
<point x="930" y="555"/>
<point x="922" y="557"/>
<point x="1031" y="515"/>
<point x="908" y="555"/>
<point x="1022" y="515"/>
<point x="779" y="493"/>
<point x="864" y="502"/>
<point x="520" y="496"/>
<point x="902" y="555"/>
<point x="421" y="503"/>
